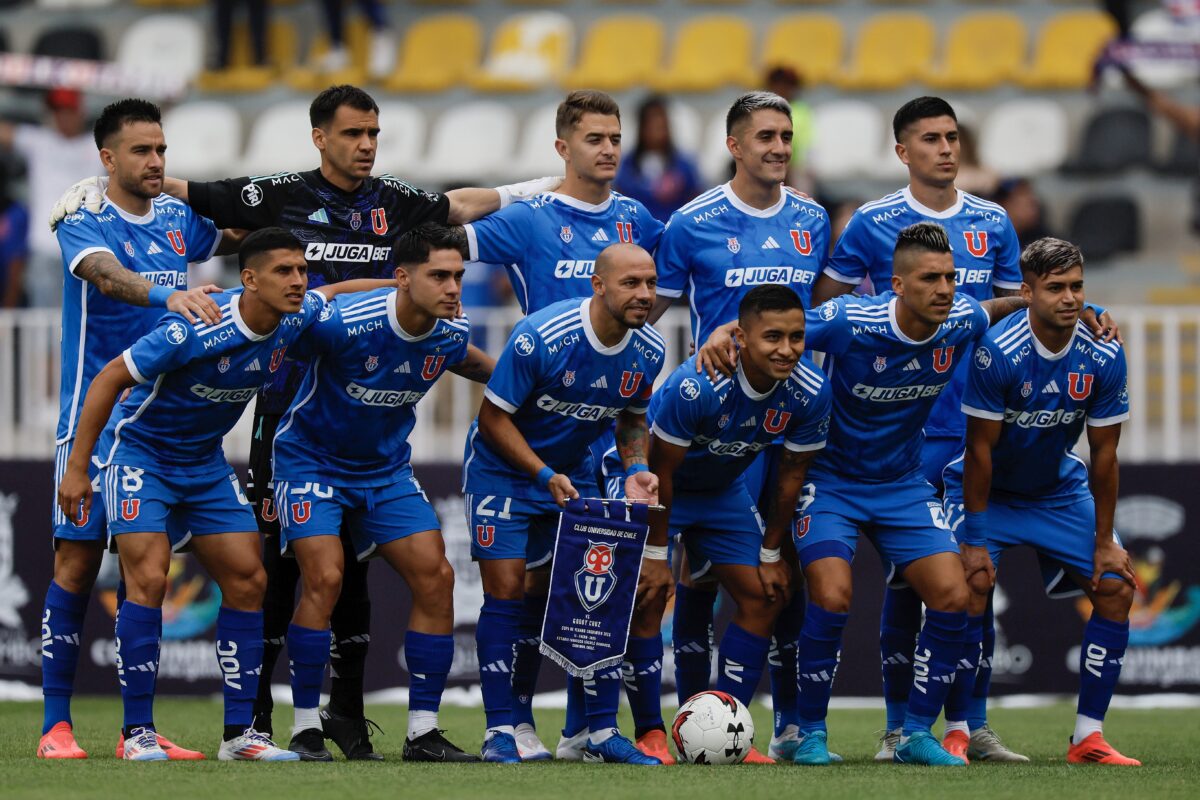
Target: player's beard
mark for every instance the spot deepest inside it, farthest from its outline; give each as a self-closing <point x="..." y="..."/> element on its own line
<point x="138" y="189"/>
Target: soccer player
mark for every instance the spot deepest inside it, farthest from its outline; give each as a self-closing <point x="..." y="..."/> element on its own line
<point x="703" y="437"/>
<point x="342" y="454"/>
<point x="166" y="483"/>
<point x="566" y="372"/>
<point x="1035" y="381"/>
<point x="123" y="265"/>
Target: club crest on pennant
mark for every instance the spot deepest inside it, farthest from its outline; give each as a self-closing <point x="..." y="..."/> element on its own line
<point x="565" y="234"/>
<point x="880" y="363"/>
<point x="355" y="220"/>
<point x="595" y="580"/>
<point x="733" y="244"/>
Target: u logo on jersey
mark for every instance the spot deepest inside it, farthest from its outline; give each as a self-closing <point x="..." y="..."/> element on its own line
<point x="803" y="242"/>
<point x="943" y="357"/>
<point x="485" y="535"/>
<point x="625" y="232"/>
<point x="301" y="511"/>
<point x="130" y="508"/>
<point x="268" y="510"/>
<point x="1079" y="385"/>
<point x="82" y="519"/>
<point x="277" y="357"/>
<point x="379" y="221"/>
<point x="977" y="244"/>
<point x="178" y="244"/>
<point x="802" y="526"/>
<point x="433" y="366"/>
<point x="775" y="420"/>
<point x="630" y="381"/>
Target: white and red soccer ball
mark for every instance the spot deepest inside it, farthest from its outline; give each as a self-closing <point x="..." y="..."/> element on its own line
<point x="712" y="728"/>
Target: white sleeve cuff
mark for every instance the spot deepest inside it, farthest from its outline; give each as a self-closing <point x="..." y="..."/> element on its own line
<point x="1102" y="422"/>
<point x="666" y="437"/>
<point x="840" y="278"/>
<point x="665" y="292"/>
<point x="127" y="357"/>
<point x="803" y="448"/>
<point x="87" y="251"/>
<point x="212" y="251"/>
<point x="472" y="242"/>
<point x="1005" y="285"/>
<point x="637" y="409"/>
<point x="499" y="401"/>
<point x="971" y="411"/>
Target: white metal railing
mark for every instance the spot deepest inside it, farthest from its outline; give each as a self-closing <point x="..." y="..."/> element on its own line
<point x="1162" y="345"/>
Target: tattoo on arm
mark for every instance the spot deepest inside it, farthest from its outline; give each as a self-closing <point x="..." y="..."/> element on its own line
<point x="477" y="366"/>
<point x="1000" y="307"/>
<point x="1006" y="292"/>
<point x="104" y="272"/>
<point x="631" y="439"/>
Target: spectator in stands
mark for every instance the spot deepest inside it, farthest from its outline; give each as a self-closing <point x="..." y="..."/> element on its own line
<point x="56" y="155"/>
<point x="656" y="172"/>
<point x="14" y="237"/>
<point x="973" y="176"/>
<point x="382" y="53"/>
<point x="1024" y="209"/>
<point x="788" y="84"/>
<point x="256" y="10"/>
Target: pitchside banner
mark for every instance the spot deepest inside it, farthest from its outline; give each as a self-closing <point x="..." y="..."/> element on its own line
<point x="1037" y="639"/>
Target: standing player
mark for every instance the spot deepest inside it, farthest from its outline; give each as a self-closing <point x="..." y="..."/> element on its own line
<point x="342" y="454"/>
<point x="1034" y="381"/>
<point x="123" y="264"/>
<point x="167" y="483"/>
<point x="565" y="374"/>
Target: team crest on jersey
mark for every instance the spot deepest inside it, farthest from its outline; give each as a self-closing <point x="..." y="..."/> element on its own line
<point x="803" y="242"/>
<point x="625" y="232"/>
<point x="277" y="358"/>
<point x="178" y="244"/>
<point x="485" y="535"/>
<point x="1079" y="384"/>
<point x="983" y="359"/>
<point x="372" y="363"/>
<point x="595" y="580"/>
<point x="223" y="364"/>
<point x="723" y="421"/>
<point x="301" y="511"/>
<point x="565" y="234"/>
<point x="568" y="377"/>
<point x="355" y="220"/>
<point x="432" y="367"/>
<point x="943" y="357"/>
<point x="802" y="526"/>
<point x="1026" y="388"/>
<point x="977" y="243"/>
<point x="733" y="244"/>
<point x="130" y="508"/>
<point x="880" y="363"/>
<point x="774" y="421"/>
<point x="630" y="381"/>
<point x="129" y="249"/>
<point x="379" y="221"/>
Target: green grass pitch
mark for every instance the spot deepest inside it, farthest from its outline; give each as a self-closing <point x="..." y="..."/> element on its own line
<point x="1167" y="741"/>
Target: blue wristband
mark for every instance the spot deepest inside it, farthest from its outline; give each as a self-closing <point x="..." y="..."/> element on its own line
<point x="634" y="468"/>
<point x="544" y="475"/>
<point x="974" y="528"/>
<point x="159" y="295"/>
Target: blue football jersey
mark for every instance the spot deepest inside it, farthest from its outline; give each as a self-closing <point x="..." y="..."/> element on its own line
<point x="884" y="383"/>
<point x="726" y="424"/>
<point x="350" y="421"/>
<point x="564" y="389"/>
<point x="1044" y="399"/>
<point x="95" y="328"/>
<point x="717" y="248"/>
<point x="549" y="243"/>
<point x="194" y="382"/>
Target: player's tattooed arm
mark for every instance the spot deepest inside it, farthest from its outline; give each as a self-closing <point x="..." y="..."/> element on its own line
<point x="477" y="366"/>
<point x="1109" y="556"/>
<point x="102" y="270"/>
<point x="1000" y="307"/>
<point x="998" y="292"/>
<point x="632" y="439"/>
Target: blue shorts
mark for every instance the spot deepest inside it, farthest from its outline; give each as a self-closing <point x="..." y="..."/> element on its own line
<point x="138" y="501"/>
<point x="903" y="519"/>
<point x="610" y="472"/>
<point x="512" y="527"/>
<point x="761" y="471"/>
<point x="723" y="528"/>
<point x="937" y="452"/>
<point x="94" y="528"/>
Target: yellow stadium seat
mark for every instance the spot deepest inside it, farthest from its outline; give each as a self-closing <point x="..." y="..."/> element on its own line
<point x="437" y="53"/>
<point x="711" y="51"/>
<point x="811" y="44"/>
<point x="892" y="50"/>
<point x="981" y="50"/>
<point x="1066" y="49"/>
<point x="528" y="51"/>
<point x="357" y="42"/>
<point x="243" y="75"/>
<point x="618" y="52"/>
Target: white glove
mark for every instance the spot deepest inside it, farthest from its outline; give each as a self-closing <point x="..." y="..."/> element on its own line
<point x="88" y="193"/>
<point x="527" y="189"/>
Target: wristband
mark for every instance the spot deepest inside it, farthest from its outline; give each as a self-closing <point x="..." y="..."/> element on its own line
<point x="544" y="475"/>
<point x="974" y="528"/>
<point x="635" y="468"/>
<point x="159" y="295"/>
<point x="505" y="196"/>
<point x="654" y="553"/>
<point x="766" y="556"/>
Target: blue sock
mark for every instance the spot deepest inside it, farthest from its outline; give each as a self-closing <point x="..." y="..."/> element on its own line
<point x="62" y="622"/>
<point x="742" y="657"/>
<point x="428" y="657"/>
<point x="239" y="654"/>
<point x="1100" y="656"/>
<point x="576" y="716"/>
<point x="601" y="696"/>
<point x="958" y="701"/>
<point x="898" y="628"/>
<point x="817" y="657"/>
<point x="781" y="663"/>
<point x="498" y="629"/>
<point x="977" y="705"/>
<point x="642" y="674"/>
<point x="527" y="658"/>
<point x="691" y="638"/>
<point x="308" y="654"/>
<point x="137" y="661"/>
<point x="939" y="647"/>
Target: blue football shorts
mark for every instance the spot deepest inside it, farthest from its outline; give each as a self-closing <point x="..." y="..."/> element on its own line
<point x="717" y="528"/>
<point x="936" y="453"/>
<point x="93" y="527"/>
<point x="513" y="527"/>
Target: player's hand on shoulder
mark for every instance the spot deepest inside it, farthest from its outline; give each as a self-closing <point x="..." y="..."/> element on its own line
<point x="195" y="304"/>
<point x="718" y="355"/>
<point x="1111" y="557"/>
<point x="561" y="489"/>
<point x="1103" y="327"/>
<point x="642" y="487"/>
<point x="524" y="190"/>
<point x="794" y="191"/>
<point x="74" y="494"/>
<point x="87" y="193"/>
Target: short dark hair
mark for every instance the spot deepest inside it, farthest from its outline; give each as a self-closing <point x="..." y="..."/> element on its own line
<point x="264" y="240"/>
<point x="745" y="106"/>
<point x="413" y="248"/>
<point x="326" y="104"/>
<point x="1050" y="256"/>
<point x="580" y="102"/>
<point x="769" y="297"/>
<point x="923" y="237"/>
<point x="119" y="114"/>
<point x="919" y="109"/>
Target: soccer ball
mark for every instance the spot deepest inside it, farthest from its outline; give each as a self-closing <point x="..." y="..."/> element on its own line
<point x="713" y="728"/>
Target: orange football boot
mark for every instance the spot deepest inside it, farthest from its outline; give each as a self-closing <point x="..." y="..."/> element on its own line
<point x="174" y="752"/>
<point x="956" y="743"/>
<point x="755" y="757"/>
<point x="654" y="743"/>
<point x="1094" y="750"/>
<point x="59" y="742"/>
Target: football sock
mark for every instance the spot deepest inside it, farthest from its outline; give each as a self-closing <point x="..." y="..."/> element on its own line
<point x="576" y="717"/>
<point x="421" y="723"/>
<point x="977" y="705"/>
<point x="602" y="695"/>
<point x="817" y="658"/>
<point x="958" y="700"/>
<point x="898" y="628"/>
<point x="499" y="623"/>
<point x="308" y="653"/>
<point x="137" y="661"/>
<point x="1100" y="658"/>
<point x="62" y="622"/>
<point x="279" y="601"/>
<point x="239" y="655"/>
<point x="781" y="663"/>
<point x="642" y="672"/>
<point x="351" y="626"/>
<point x="691" y="638"/>
<point x="1085" y="726"/>
<point x="428" y="657"/>
<point x="939" y="648"/>
<point x="601" y="735"/>
<point x="527" y="658"/>
<point x="742" y="656"/>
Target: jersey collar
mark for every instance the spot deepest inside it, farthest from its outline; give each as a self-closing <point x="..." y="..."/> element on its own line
<point x="1044" y="351"/>
<point x="594" y="340"/>
<point x="901" y="335"/>
<point x="235" y="311"/>
<point x="926" y="211"/>
<point x="580" y="205"/>
<point x="394" y="320"/>
<point x="133" y="219"/>
<point x="762" y="213"/>
<point x="748" y="390"/>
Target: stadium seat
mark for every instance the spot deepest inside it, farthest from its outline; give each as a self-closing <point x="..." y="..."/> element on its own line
<point x="1182" y="159"/>
<point x="848" y="137"/>
<point x="280" y="140"/>
<point x="1066" y="49"/>
<point x="536" y="154"/>
<point x="618" y="52"/>
<point x="981" y="50"/>
<point x="1105" y="226"/>
<point x="1024" y="137"/>
<point x="437" y="53"/>
<point x="70" y="42"/>
<point x="67" y="5"/>
<point x="401" y="138"/>
<point x="811" y="44"/>
<point x="357" y="42"/>
<point x="242" y="75"/>
<point x="891" y="50"/>
<point x="164" y="44"/>
<point x="710" y="51"/>
<point x="528" y="51"/>
<point x="1114" y="139"/>
<point x="205" y="139"/>
<point x="712" y="155"/>
<point x="471" y="143"/>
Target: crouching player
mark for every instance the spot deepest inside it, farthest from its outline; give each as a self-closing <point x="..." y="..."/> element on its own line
<point x="1036" y="378"/>
<point x="342" y="453"/>
<point x="164" y="470"/>
<point x="704" y="436"/>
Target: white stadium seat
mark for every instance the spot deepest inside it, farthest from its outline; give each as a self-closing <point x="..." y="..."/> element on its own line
<point x="536" y="155"/>
<point x="165" y="45"/>
<point x="713" y="156"/>
<point x="473" y="142"/>
<point x="204" y="140"/>
<point x="847" y="139"/>
<point x="281" y="140"/>
<point x="1024" y="137"/>
<point x="401" y="138"/>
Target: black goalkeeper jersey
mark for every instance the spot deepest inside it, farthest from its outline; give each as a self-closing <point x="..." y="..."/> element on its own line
<point x="346" y="235"/>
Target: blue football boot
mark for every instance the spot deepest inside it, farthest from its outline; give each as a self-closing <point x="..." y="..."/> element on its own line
<point x="616" y="749"/>
<point x="500" y="748"/>
<point x="922" y="748"/>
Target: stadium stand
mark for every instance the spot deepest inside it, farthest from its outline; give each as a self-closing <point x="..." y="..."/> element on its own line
<point x="472" y="141"/>
<point x="527" y="51"/>
<point x="1103" y="227"/>
<point x="1067" y="47"/>
<point x="281" y="139"/>
<point x="980" y="51"/>
<point x="847" y="137"/>
<point x="1114" y="139"/>
<point x="437" y="53"/>
<point x="205" y="137"/>
<point x="811" y="44"/>
<point x="619" y="52"/>
<point x="710" y="52"/>
<point x="890" y="51"/>
<point x="70" y="42"/>
<point x="401" y="137"/>
<point x="1025" y="137"/>
<point x="166" y="43"/>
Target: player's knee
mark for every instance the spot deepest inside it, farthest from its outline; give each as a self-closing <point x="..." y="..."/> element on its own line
<point x="146" y="588"/>
<point x="436" y="587"/>
<point x="951" y="597"/>
<point x="1113" y="599"/>
<point x="246" y="590"/>
<point x="980" y="586"/>
<point x="323" y="583"/>
<point x="835" y="599"/>
<point x="75" y="568"/>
